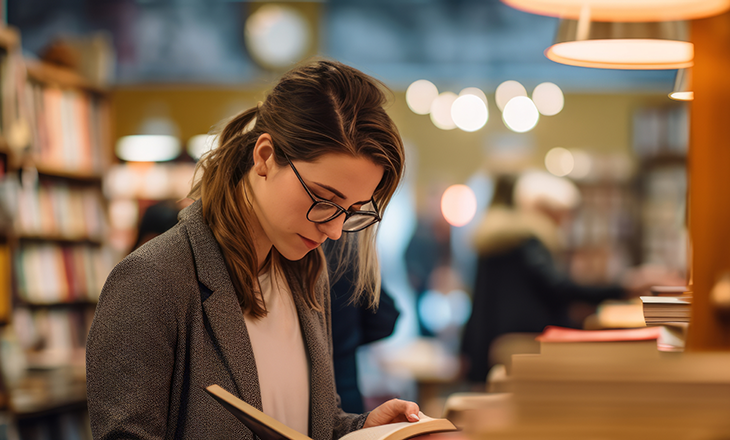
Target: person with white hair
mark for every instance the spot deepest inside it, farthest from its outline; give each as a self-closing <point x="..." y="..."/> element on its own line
<point x="518" y="288"/>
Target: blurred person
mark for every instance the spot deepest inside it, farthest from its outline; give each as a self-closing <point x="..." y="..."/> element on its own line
<point x="236" y="294"/>
<point x="157" y="218"/>
<point x="518" y="287"/>
<point x="354" y="324"/>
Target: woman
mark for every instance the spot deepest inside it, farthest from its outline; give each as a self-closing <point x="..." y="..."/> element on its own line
<point x="236" y="294"/>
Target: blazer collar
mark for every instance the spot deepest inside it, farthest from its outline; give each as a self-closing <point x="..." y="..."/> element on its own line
<point x="229" y="328"/>
<point x="221" y="308"/>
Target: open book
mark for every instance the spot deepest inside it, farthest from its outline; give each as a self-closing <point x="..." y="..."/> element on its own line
<point x="268" y="428"/>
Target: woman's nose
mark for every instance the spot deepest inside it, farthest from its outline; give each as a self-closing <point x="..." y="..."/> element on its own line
<point x="333" y="228"/>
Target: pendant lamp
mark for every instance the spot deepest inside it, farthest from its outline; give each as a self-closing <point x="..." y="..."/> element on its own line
<point x="683" y="86"/>
<point x="624" y="10"/>
<point x="622" y="45"/>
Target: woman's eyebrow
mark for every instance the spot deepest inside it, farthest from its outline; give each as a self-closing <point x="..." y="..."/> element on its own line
<point x="337" y="193"/>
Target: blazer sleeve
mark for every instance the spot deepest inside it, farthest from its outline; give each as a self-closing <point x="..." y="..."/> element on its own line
<point x="130" y="354"/>
<point x="344" y="423"/>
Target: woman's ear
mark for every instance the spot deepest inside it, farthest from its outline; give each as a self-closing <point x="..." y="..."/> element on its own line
<point x="263" y="155"/>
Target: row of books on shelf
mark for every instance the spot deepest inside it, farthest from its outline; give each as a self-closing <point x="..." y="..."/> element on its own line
<point x="50" y="273"/>
<point x="661" y="131"/>
<point x="61" y="210"/>
<point x="69" y="129"/>
<point x="52" y="337"/>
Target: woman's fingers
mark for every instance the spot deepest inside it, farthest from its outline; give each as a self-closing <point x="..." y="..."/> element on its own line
<point x="392" y="411"/>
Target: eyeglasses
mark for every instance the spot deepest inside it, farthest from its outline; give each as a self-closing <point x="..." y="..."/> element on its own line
<point x="323" y="211"/>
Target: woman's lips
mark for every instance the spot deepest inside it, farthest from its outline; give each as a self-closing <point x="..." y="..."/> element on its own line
<point x="309" y="243"/>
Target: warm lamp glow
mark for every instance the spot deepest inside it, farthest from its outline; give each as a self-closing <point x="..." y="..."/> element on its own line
<point x="441" y="111"/>
<point x="559" y="162"/>
<point x="506" y="91"/>
<point x="548" y="98"/>
<point x="520" y="114"/>
<point x="469" y="112"/>
<point x="609" y="45"/>
<point x="458" y="205"/>
<point x="148" y="148"/>
<point x="624" y="10"/>
<point x="420" y="95"/>
<point x="683" y="86"/>
<point x="623" y="54"/>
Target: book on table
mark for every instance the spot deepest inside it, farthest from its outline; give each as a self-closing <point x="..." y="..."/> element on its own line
<point x="268" y="428"/>
<point x="666" y="309"/>
<point x="637" y="342"/>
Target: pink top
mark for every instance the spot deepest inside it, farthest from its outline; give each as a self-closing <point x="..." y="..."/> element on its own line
<point x="281" y="359"/>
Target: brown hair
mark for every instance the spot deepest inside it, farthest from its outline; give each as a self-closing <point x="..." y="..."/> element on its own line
<point x="317" y="108"/>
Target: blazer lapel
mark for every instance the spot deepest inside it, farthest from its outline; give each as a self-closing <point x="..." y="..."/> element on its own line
<point x="222" y="311"/>
<point x="320" y="360"/>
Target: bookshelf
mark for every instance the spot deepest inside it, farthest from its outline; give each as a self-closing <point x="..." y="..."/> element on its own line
<point x="661" y="138"/>
<point x="56" y="251"/>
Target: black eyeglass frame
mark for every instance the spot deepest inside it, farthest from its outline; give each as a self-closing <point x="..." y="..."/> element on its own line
<point x="317" y="200"/>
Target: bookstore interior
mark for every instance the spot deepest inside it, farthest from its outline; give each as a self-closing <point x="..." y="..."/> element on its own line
<point x="106" y="108"/>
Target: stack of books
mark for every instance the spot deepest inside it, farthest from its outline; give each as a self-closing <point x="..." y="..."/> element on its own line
<point x="666" y="310"/>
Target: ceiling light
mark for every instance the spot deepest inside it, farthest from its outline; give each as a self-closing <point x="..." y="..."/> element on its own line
<point x="520" y="114"/>
<point x="148" y="148"/>
<point x="469" y="112"/>
<point x="683" y="86"/>
<point x="200" y="144"/>
<point x="277" y="36"/>
<point x="548" y="98"/>
<point x="624" y="10"/>
<point x="506" y="91"/>
<point x="419" y="96"/>
<point x="476" y="91"/>
<point x="610" y="45"/>
<point x="441" y="111"/>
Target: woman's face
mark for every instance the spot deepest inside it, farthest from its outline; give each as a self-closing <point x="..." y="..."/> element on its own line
<point x="281" y="202"/>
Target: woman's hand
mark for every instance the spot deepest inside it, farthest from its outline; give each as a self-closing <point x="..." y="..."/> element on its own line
<point x="392" y="411"/>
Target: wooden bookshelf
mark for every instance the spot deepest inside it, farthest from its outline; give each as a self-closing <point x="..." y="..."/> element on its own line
<point x="56" y="171"/>
<point x="58" y="246"/>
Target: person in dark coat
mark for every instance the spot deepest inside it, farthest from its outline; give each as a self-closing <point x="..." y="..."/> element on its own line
<point x="354" y="325"/>
<point x="518" y="287"/>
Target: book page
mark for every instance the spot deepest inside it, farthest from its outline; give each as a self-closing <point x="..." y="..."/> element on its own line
<point x="402" y="430"/>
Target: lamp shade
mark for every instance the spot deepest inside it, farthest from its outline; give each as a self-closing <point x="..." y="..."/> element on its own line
<point x="683" y="86"/>
<point x="625" y="45"/>
<point x="624" y="10"/>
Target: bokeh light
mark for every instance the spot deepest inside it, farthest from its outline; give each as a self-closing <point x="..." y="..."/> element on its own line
<point x="476" y="91"/>
<point x="440" y="311"/>
<point x="559" y="161"/>
<point x="583" y="164"/>
<point x="458" y="205"/>
<point x="441" y="111"/>
<point x="506" y="91"/>
<point x="469" y="112"/>
<point x="420" y="95"/>
<point x="520" y="114"/>
<point x="548" y="98"/>
<point x="200" y="144"/>
<point x="147" y="148"/>
<point x="277" y="35"/>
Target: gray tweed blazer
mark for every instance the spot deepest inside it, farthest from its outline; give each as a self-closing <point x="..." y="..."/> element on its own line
<point x="168" y="324"/>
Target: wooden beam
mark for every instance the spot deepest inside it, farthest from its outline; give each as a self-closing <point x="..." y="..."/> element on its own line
<point x="709" y="184"/>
